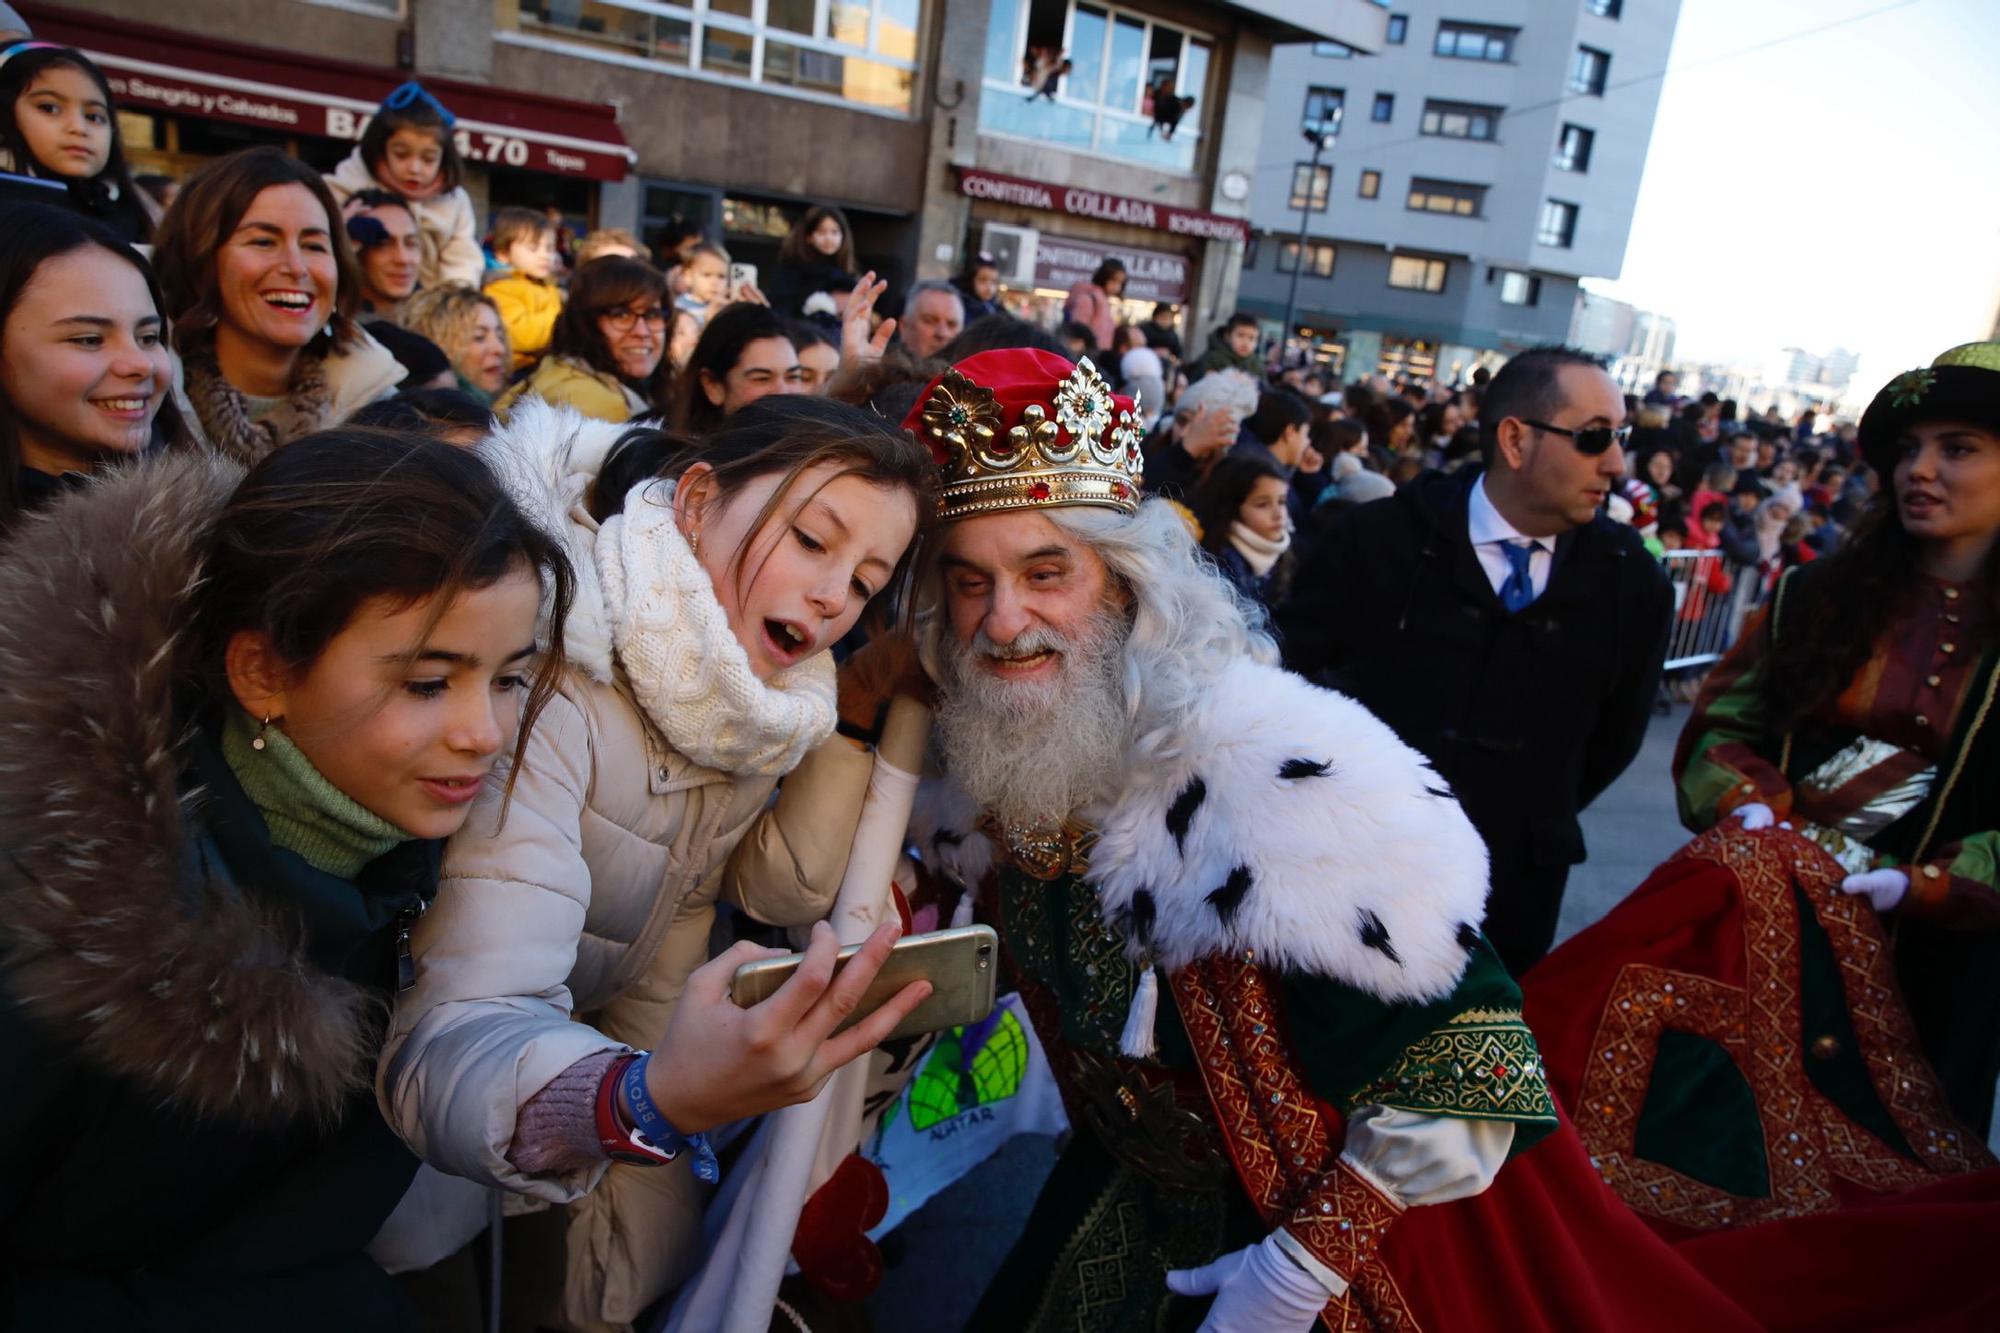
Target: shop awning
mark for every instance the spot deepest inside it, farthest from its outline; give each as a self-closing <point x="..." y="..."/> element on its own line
<point x="175" y="72"/>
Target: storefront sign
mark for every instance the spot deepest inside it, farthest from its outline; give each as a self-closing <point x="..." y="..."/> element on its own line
<point x="1078" y="202"/>
<point x="175" y="73"/>
<point x="1150" y="275"/>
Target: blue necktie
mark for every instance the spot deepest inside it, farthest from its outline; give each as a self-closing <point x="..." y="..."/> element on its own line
<point x="1519" y="589"/>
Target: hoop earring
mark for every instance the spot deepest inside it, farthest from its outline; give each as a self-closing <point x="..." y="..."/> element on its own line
<point x="257" y="741"/>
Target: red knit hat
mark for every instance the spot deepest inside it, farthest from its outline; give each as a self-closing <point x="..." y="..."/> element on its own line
<point x="1022" y="429"/>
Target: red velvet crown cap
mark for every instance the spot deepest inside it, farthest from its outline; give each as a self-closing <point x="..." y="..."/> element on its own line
<point x="1016" y="377"/>
<point x="1018" y="428"/>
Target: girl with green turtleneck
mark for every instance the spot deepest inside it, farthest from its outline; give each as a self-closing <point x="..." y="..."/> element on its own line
<point x="237" y="716"/>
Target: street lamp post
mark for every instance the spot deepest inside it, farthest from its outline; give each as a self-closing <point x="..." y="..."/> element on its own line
<point x="1320" y="135"/>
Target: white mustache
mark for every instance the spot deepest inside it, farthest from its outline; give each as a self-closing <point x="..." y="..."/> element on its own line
<point x="1027" y="643"/>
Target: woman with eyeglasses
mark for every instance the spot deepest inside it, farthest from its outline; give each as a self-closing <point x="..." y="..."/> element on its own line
<point x="607" y="357"/>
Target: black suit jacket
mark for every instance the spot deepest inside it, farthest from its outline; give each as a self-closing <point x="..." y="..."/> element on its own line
<point x="1528" y="715"/>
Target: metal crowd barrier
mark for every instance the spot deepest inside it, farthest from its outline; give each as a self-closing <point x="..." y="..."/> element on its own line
<point x="1710" y="604"/>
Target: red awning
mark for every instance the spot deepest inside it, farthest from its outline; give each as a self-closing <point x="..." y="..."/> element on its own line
<point x="175" y="72"/>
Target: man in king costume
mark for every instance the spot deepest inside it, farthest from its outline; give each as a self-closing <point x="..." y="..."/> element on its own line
<point x="1244" y="915"/>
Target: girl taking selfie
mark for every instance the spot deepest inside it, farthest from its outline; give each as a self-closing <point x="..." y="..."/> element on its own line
<point x="572" y="927"/>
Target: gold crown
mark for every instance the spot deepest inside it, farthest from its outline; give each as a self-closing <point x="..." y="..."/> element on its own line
<point x="1087" y="454"/>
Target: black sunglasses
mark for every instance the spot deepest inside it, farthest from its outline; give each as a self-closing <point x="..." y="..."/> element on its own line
<point x="1591" y="440"/>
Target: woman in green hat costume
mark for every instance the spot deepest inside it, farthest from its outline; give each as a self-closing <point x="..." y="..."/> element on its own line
<point x="1862" y="711"/>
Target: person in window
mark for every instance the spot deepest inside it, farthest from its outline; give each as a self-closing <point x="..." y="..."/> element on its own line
<point x="58" y="122"/>
<point x="262" y="291"/>
<point x="1167" y="108"/>
<point x="607" y="357"/>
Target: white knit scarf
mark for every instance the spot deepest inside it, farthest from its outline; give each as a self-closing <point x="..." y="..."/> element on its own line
<point x="686" y="668"/>
<point x="1258" y="551"/>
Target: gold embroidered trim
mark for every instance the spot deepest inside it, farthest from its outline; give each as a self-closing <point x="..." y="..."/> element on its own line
<point x="1482" y="1065"/>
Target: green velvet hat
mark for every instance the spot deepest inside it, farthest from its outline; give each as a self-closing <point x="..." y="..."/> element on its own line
<point x="1961" y="385"/>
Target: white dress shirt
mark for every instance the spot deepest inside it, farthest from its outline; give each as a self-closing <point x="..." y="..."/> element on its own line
<point x="1490" y="532"/>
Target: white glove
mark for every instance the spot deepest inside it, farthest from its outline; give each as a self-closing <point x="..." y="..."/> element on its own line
<point x="1258" y="1289"/>
<point x="1755" y="815"/>
<point x="1884" y="888"/>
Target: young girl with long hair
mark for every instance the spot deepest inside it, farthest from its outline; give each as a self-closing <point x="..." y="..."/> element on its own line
<point x="607" y="357"/>
<point x="60" y="124"/>
<point x="239" y="714"/>
<point x="816" y="260"/>
<point x="744" y="353"/>
<point x="573" y="923"/>
<point x="262" y="289"/>
<point x="410" y="149"/>
<point x="1243" y="509"/>
<point x="85" y="375"/>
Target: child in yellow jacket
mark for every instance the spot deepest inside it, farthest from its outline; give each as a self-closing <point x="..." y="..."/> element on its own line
<point x="524" y="241"/>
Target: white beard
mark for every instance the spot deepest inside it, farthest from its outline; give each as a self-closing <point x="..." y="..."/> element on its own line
<point x="1034" y="753"/>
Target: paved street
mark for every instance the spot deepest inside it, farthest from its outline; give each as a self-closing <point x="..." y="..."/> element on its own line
<point x="940" y="1259"/>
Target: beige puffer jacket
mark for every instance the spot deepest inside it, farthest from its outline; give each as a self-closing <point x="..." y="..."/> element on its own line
<point x="570" y="926"/>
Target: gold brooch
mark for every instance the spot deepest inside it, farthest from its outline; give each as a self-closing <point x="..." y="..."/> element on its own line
<point x="962" y="414"/>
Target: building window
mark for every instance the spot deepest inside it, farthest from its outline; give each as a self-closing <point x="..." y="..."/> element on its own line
<point x="1310" y="186"/>
<point x="1587" y="71"/>
<point x="1399" y="29"/>
<point x="1251" y="250"/>
<point x="1605" y="9"/>
<point x="1473" y="41"/>
<point x="1454" y="197"/>
<point x="1558" y="225"/>
<point x="1516" y="288"/>
<point x="1337" y="50"/>
<point x="854" y="52"/>
<point x="1573" y="148"/>
<point x="1323" y="109"/>
<point x="1371" y="184"/>
<point x="387" y="8"/>
<point x="1461" y="120"/>
<point x="859" y="53"/>
<point x="1416" y="273"/>
<point x="1319" y="258"/>
<point x="1088" y="78"/>
<point x="1385" y="108"/>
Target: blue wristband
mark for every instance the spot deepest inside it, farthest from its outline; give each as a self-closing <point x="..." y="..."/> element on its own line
<point x="646" y="1118"/>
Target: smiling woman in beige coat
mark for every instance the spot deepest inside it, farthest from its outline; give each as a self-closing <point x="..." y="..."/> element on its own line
<point x="573" y="919"/>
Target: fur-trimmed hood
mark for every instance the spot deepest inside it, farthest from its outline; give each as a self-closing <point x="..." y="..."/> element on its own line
<point x="114" y="931"/>
<point x="1289" y="823"/>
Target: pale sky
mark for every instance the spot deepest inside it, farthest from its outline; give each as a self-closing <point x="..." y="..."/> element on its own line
<point x="1837" y="189"/>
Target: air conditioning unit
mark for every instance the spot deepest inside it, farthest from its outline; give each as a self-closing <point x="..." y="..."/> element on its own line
<point x="1013" y="249"/>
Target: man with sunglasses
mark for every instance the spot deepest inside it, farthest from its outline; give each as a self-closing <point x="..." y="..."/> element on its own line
<point x="1503" y="626"/>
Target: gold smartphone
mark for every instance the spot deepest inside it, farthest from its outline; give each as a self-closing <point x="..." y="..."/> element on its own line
<point x="960" y="965"/>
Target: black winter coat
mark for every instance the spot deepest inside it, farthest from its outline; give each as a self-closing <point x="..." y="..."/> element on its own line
<point x="189" y="1014"/>
<point x="1528" y="716"/>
